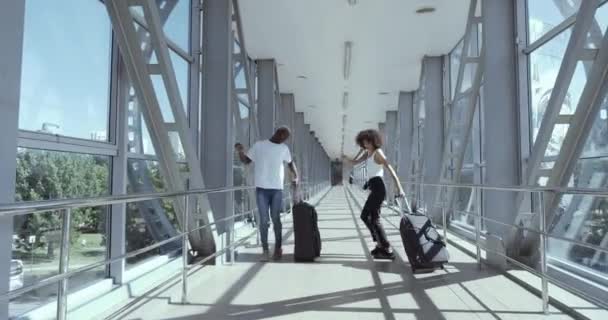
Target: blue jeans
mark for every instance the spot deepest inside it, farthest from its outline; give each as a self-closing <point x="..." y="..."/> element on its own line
<point x="270" y="199"/>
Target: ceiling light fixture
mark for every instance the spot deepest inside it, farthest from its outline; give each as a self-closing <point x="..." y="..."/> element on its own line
<point x="348" y="46"/>
<point x="312" y="106"/>
<point x="383" y="93"/>
<point x="302" y="77"/>
<point x="424" y="10"/>
<point x="345" y="101"/>
<point x="352" y="2"/>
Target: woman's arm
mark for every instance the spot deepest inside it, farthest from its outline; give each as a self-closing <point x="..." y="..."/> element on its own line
<point x="358" y="159"/>
<point x="380" y="158"/>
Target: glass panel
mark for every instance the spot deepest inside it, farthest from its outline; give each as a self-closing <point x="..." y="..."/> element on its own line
<point x="65" y="71"/>
<point x="544" y="15"/>
<point x="583" y="218"/>
<point x="544" y="67"/>
<point x="239" y="80"/>
<point x="45" y="175"/>
<point x="463" y="201"/>
<point x="138" y="135"/>
<point x="152" y="221"/>
<point x="469" y="76"/>
<point x="597" y="142"/>
<point x="557" y="140"/>
<point x="455" y="57"/>
<point x="177" y="24"/>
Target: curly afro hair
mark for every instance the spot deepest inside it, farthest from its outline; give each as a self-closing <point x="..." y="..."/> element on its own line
<point x="370" y="135"/>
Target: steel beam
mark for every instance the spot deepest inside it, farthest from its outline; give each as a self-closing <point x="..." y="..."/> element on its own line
<point x="499" y="114"/>
<point x="433" y="123"/>
<point x="217" y="139"/>
<point x="406" y="133"/>
<point x="12" y="18"/>
<point x="267" y="99"/>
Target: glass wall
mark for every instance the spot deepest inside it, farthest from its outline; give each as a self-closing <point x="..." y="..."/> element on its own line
<point x="464" y="201"/>
<point x="73" y="93"/>
<point x="65" y="94"/>
<point x="65" y="79"/>
<point x="583" y="218"/>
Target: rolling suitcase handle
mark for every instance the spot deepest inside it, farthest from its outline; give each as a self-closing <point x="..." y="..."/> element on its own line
<point x="404" y="205"/>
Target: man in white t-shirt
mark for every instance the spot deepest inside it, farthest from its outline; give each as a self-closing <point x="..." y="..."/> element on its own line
<point x="269" y="157"/>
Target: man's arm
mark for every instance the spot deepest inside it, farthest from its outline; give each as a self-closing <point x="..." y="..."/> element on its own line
<point x="241" y="152"/>
<point x="294" y="171"/>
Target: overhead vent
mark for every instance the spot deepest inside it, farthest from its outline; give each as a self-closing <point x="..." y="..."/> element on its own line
<point x="425" y="10"/>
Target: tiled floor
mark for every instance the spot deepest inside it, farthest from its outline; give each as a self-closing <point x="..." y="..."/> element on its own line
<point x="344" y="284"/>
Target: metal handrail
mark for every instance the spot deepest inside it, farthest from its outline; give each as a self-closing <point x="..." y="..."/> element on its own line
<point x="543" y="274"/>
<point x="531" y="189"/>
<point x="56" y="278"/>
<point x="67" y="205"/>
<point x="22" y="208"/>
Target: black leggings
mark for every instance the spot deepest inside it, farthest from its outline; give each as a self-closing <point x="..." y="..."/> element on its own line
<point x="371" y="211"/>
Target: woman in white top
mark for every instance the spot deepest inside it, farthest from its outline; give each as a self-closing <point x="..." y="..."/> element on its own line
<point x="370" y="142"/>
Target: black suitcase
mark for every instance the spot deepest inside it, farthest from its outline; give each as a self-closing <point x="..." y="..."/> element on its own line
<point x="425" y="248"/>
<point x="307" y="238"/>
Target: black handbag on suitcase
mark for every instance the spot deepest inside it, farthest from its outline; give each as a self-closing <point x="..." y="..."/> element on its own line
<point x="307" y="239"/>
<point x="425" y="248"/>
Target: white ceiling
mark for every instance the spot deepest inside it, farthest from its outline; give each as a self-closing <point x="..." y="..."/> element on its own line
<point x="306" y="38"/>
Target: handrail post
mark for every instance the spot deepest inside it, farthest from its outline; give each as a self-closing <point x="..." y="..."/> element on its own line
<point x="185" y="234"/>
<point x="443" y="215"/>
<point x="232" y="236"/>
<point x="477" y="226"/>
<point x="543" y="253"/>
<point x="64" y="260"/>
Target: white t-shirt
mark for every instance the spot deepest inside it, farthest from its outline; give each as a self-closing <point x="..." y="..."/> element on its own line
<point x="269" y="159"/>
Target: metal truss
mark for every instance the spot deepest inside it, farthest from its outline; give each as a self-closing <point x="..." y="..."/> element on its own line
<point x="152" y="211"/>
<point x="127" y="23"/>
<point x="463" y="106"/>
<point x="416" y="163"/>
<point x="556" y="171"/>
<point x="242" y="63"/>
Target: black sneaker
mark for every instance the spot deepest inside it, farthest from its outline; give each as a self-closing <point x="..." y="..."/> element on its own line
<point x="375" y="251"/>
<point x="384" y="254"/>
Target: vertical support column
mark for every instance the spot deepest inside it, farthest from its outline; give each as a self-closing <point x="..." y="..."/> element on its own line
<point x="195" y="68"/>
<point x="306" y="152"/>
<point x="288" y="110"/>
<point x="313" y="152"/>
<point x="406" y="128"/>
<point x="433" y="126"/>
<point x="266" y="97"/>
<point x="216" y="122"/>
<point x="118" y="220"/>
<point x="500" y="116"/>
<point x="299" y="141"/>
<point x="392" y="138"/>
<point x="11" y="36"/>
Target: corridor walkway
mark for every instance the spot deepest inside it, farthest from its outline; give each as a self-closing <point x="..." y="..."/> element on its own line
<point x="345" y="284"/>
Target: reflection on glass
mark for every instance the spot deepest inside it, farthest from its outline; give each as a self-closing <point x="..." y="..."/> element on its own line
<point x="545" y="63"/>
<point x="177" y="13"/>
<point x="151" y="221"/>
<point x="65" y="69"/>
<point x="597" y="142"/>
<point x="583" y="218"/>
<point x="544" y="15"/>
<point x="464" y="202"/>
<point x="46" y="175"/>
<point x="455" y="57"/>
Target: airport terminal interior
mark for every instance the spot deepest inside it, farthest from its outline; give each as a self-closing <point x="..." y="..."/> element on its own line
<point x="124" y="194"/>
